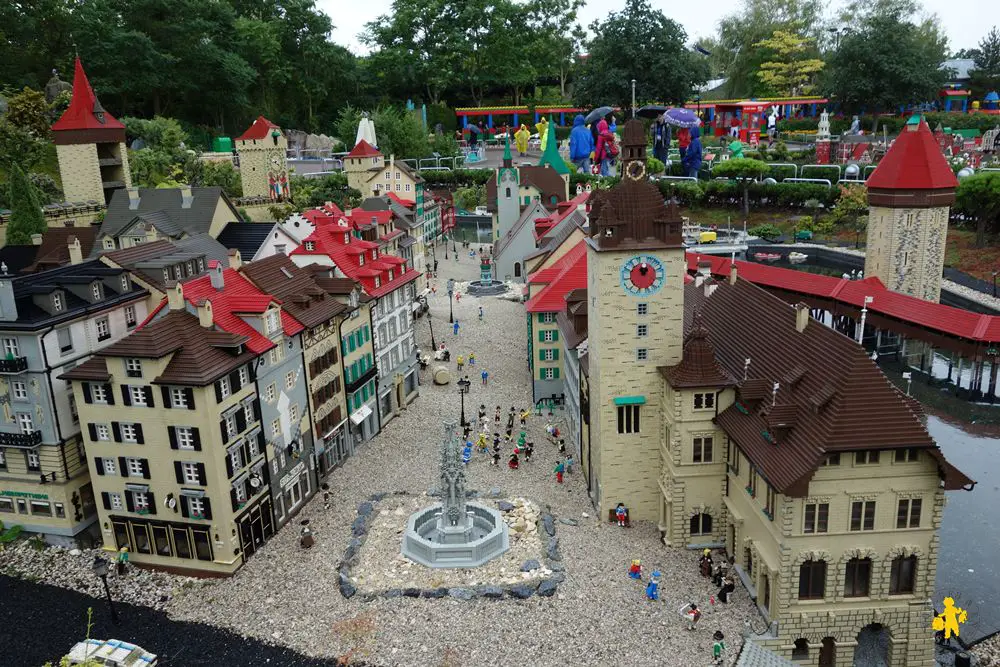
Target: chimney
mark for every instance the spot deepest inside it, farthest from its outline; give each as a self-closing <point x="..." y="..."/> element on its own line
<point x="732" y="273"/>
<point x="235" y="260"/>
<point x="704" y="268"/>
<point x="215" y="275"/>
<point x="186" y="197"/>
<point x="75" y="251"/>
<point x="133" y="199"/>
<point x="36" y="239"/>
<point x="801" y="316"/>
<point x="710" y="286"/>
<point x="205" y="313"/>
<point x="175" y="295"/>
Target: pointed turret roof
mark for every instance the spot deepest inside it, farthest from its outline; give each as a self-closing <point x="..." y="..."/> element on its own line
<point x="260" y="129"/>
<point x="698" y="367"/>
<point x="364" y="149"/>
<point x="85" y="120"/>
<point x="550" y="156"/>
<point x="508" y="159"/>
<point x="913" y="162"/>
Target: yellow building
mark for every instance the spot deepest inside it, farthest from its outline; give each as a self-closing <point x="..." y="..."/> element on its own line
<point x="737" y="423"/>
<point x="262" y="151"/>
<point x="90" y="146"/>
<point x="179" y="465"/>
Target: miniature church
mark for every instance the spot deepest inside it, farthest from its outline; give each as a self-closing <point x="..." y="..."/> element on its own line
<point x="262" y="152"/>
<point x="90" y="146"/>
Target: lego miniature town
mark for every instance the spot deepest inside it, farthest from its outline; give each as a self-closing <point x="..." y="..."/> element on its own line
<point x="316" y="401"/>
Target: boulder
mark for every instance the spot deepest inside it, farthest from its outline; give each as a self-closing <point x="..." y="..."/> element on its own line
<point x="358" y="528"/>
<point x="505" y="506"/>
<point x="530" y="565"/>
<point x="461" y="593"/>
<point x="434" y="593"/>
<point x="569" y="522"/>
<point x="557" y="577"/>
<point x="549" y="524"/>
<point x="393" y="593"/>
<point x="547" y="588"/>
<point x="347" y="588"/>
<point x="495" y="492"/>
<point x="552" y="552"/>
<point x="365" y="508"/>
<point x="521" y="592"/>
<point x="492" y="592"/>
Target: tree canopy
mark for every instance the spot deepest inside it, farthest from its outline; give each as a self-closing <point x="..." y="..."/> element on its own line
<point x="26" y="216"/>
<point x="638" y="43"/>
<point x="985" y="77"/>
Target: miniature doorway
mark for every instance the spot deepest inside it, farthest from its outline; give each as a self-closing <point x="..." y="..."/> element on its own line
<point x="827" y="653"/>
<point x="873" y="646"/>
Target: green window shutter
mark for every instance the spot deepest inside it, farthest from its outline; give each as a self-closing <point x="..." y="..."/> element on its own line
<point x="541" y="355"/>
<point x="556" y="372"/>
<point x="364" y="393"/>
<point x="367" y="334"/>
<point x="343" y="345"/>
<point x="350" y="339"/>
<point x="541" y="336"/>
<point x="555" y="354"/>
<point x="555" y="335"/>
<point x="541" y="318"/>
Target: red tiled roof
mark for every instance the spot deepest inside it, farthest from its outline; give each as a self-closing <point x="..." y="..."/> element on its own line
<point x="364" y="149"/>
<point x="928" y="314"/>
<point x="80" y="113"/>
<point x="548" y="274"/>
<point x="238" y="295"/>
<point x="329" y="240"/>
<point x="572" y="275"/>
<point x="408" y="203"/>
<point x="260" y="129"/>
<point x="913" y="162"/>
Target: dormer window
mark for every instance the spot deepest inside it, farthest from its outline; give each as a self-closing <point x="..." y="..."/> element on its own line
<point x="310" y="245"/>
<point x="57" y="302"/>
<point x="95" y="291"/>
<point x="375" y="253"/>
<point x="347" y="238"/>
<point x="390" y="275"/>
<point x="133" y="368"/>
<point x="125" y="282"/>
<point x="109" y="244"/>
<point x="272" y="321"/>
<point x="361" y="259"/>
<point x="201" y="265"/>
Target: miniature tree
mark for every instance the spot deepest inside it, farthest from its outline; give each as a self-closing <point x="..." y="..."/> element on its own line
<point x="791" y="72"/>
<point x="29" y="111"/>
<point x="745" y="171"/>
<point x="978" y="197"/>
<point x="851" y="210"/>
<point x="26" y="216"/>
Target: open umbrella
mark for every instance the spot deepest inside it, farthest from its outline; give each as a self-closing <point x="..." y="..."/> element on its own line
<point x="651" y="111"/>
<point x="597" y="114"/>
<point x="681" y="118"/>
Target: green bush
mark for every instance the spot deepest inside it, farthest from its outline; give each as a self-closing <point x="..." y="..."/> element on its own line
<point x="767" y="232"/>
<point x="654" y="166"/>
<point x="687" y="193"/>
<point x="458" y="177"/>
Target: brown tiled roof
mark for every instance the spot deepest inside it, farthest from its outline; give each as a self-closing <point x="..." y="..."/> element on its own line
<point x="635" y="211"/>
<point x="94" y="369"/>
<point x="842" y="401"/>
<point x="199" y="356"/>
<point x="698" y="367"/>
<point x="54" y="250"/>
<point x="299" y="292"/>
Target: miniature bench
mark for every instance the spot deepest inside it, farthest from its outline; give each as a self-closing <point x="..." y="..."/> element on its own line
<point x="613" y="518"/>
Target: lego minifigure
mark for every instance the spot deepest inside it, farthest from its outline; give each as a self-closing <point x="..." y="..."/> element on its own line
<point x="524" y="416"/>
<point x="621" y="514"/>
<point x="718" y="648"/>
<point x="569" y="464"/>
<point x="653" y="587"/>
<point x="467" y="452"/>
<point x="560" y="469"/>
<point x="691" y="612"/>
<point x="512" y="463"/>
<point x="635" y="570"/>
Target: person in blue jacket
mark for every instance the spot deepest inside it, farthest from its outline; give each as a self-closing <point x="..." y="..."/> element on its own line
<point x="581" y="145"/>
<point x="692" y="157"/>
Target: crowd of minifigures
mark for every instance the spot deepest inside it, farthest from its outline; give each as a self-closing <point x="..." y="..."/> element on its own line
<point x="520" y="449"/>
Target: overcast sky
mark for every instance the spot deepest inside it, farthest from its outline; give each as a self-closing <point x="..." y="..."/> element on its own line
<point x="965" y="21"/>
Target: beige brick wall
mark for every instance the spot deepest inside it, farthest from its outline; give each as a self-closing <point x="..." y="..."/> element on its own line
<point x="80" y="172"/>
<point x="627" y="471"/>
<point x="906" y="249"/>
<point x="256" y="163"/>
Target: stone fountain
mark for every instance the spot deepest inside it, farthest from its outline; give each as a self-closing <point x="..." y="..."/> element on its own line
<point x="454" y="533"/>
<point x="486" y="285"/>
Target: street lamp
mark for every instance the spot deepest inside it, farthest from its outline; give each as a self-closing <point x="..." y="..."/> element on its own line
<point x="463" y="389"/>
<point x="451" y="309"/>
<point x="101" y="570"/>
<point x="431" y="325"/>
<point x="908" y="376"/>
<point x="864" y="314"/>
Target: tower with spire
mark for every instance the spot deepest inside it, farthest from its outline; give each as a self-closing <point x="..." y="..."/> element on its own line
<point x="90" y="146"/>
<point x="263" y="166"/>
<point x="508" y="194"/>
<point x="550" y="154"/>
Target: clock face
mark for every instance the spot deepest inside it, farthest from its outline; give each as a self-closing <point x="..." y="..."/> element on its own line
<point x="642" y="275"/>
<point x="275" y="162"/>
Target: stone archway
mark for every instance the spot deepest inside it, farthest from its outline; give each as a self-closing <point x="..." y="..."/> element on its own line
<point x="873" y="646"/>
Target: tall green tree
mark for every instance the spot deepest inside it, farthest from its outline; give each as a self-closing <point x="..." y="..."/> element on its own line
<point x="985" y="78"/>
<point x="886" y="59"/>
<point x="26" y="216"/>
<point x="637" y="43"/>
<point x="978" y="197"/>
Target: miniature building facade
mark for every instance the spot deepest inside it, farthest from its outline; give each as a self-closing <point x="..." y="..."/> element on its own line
<point x="909" y="196"/>
<point x="262" y="151"/>
<point x="90" y="146"/>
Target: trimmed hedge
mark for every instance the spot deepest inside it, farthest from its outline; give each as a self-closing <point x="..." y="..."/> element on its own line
<point x="729" y="194"/>
<point x="460" y="178"/>
<point x="894" y="124"/>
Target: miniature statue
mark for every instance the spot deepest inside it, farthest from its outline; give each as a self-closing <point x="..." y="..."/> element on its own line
<point x="621" y="514"/>
<point x="718" y="647"/>
<point x="653" y="587"/>
<point x="55" y="86"/>
<point x="635" y="570"/>
<point x="122" y="559"/>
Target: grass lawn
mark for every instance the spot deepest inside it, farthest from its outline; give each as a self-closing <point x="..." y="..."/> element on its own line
<point x="961" y="253"/>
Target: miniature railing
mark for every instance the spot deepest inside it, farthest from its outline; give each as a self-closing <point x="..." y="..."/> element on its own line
<point x="824" y="181"/>
<point x="14" y="365"/>
<point x="819" y="167"/>
<point x="795" y="167"/>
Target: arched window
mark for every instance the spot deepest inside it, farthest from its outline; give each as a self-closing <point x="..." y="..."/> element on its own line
<point x="801" y="649"/>
<point x="517" y="269"/>
<point x="902" y="575"/>
<point x="701" y="524"/>
<point x="812" y="580"/>
<point x="857" y="578"/>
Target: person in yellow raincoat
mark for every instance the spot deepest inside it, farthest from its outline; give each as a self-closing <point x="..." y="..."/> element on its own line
<point x="543" y="131"/>
<point x="521" y="140"/>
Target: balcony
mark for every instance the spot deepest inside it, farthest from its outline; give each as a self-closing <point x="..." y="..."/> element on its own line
<point x="21" y="440"/>
<point x="13" y="365"/>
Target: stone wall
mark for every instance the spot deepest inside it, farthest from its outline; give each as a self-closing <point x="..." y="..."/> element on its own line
<point x="906" y="249"/>
<point x="80" y="172"/>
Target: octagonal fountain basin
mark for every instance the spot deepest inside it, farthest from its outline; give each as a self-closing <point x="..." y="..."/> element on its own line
<point x="486" y="287"/>
<point x="435" y="540"/>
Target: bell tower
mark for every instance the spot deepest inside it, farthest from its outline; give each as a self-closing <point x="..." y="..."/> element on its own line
<point x="635" y="323"/>
<point x="262" y="150"/>
<point x="508" y="195"/>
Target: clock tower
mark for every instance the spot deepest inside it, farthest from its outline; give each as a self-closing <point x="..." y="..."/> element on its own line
<point x="635" y="323"/>
<point x="263" y="164"/>
<point x="508" y="195"/>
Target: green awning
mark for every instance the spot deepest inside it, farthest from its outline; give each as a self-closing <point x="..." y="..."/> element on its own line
<point x="630" y="400"/>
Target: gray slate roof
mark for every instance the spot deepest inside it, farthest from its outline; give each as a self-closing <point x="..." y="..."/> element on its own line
<point x="165" y="206"/>
<point x="149" y="259"/>
<point x="755" y="655"/>
<point x="247" y="237"/>
<point x="528" y="215"/>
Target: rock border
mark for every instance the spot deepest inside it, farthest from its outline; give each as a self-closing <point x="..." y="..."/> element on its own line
<point x="546" y="587"/>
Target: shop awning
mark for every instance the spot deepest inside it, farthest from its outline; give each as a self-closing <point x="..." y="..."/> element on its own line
<point x="360" y="414"/>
